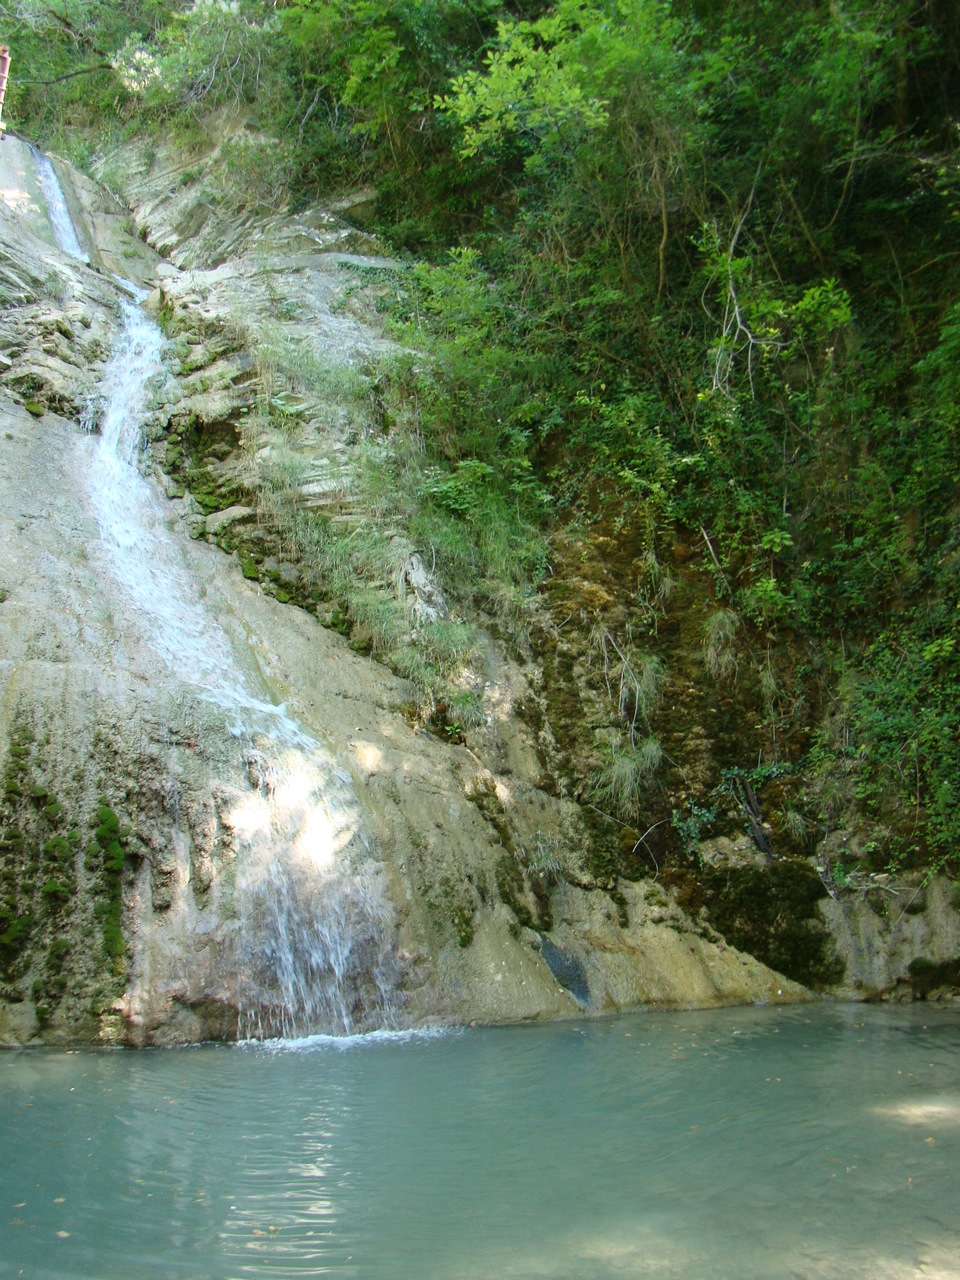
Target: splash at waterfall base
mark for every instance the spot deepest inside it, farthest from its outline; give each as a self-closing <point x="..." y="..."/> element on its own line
<point x="219" y="820"/>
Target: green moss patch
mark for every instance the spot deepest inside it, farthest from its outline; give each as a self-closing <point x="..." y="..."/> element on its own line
<point x="772" y="913"/>
<point x="54" y="892"/>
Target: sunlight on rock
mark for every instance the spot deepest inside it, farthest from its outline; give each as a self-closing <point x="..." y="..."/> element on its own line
<point x="250" y="817"/>
<point x="298" y="807"/>
<point x="315" y="839"/>
<point x="295" y="782"/>
<point x="368" y="757"/>
<point x="15" y="198"/>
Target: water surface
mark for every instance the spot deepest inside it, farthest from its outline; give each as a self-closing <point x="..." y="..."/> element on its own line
<point x="812" y="1142"/>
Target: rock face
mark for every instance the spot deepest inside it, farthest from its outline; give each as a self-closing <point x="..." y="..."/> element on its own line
<point x="181" y="862"/>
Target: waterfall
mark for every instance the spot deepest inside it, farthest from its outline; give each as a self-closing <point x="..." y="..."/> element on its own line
<point x="311" y="949"/>
<point x="144" y="555"/>
<point x="60" y="219"/>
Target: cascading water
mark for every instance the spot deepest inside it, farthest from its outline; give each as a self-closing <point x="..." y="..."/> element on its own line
<point x="60" y="219"/>
<point x="311" y="951"/>
<point x="144" y="556"/>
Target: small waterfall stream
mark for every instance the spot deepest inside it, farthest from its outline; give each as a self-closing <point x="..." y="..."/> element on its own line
<point x="144" y="555"/>
<point x="311" y="948"/>
<point x="60" y="219"/>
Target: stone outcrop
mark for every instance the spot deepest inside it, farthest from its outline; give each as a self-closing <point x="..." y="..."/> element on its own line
<point x="127" y="794"/>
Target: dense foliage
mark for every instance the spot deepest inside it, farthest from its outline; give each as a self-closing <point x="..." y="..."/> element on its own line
<point x="696" y="270"/>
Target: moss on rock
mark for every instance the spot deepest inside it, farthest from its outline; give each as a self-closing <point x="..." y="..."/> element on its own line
<point x="771" y="912"/>
<point x="53" y="892"/>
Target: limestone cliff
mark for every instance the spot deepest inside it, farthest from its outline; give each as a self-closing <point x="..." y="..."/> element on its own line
<point x="134" y="877"/>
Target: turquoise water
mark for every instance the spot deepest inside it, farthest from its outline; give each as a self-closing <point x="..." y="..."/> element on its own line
<point x="811" y="1142"/>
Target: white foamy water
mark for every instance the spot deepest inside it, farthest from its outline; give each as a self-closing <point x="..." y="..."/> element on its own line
<point x="356" y="1043"/>
<point x="311" y="948"/>
<point x="144" y="555"/>
<point x="60" y="219"/>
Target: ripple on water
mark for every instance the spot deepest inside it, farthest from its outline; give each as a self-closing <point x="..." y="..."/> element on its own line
<point x="819" y="1143"/>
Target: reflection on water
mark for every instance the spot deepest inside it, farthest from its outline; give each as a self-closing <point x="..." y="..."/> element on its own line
<point x="738" y="1145"/>
<point x="930" y="1111"/>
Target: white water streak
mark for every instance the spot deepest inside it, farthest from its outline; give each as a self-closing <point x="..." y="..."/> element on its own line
<point x="145" y="557"/>
<point x="312" y="948"/>
<point x="60" y="219"/>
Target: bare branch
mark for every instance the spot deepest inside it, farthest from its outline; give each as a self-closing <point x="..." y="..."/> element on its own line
<point x="84" y="71"/>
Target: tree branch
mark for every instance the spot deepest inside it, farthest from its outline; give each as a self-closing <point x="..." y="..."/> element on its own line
<point x="84" y="71"/>
<point x="848" y="180"/>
